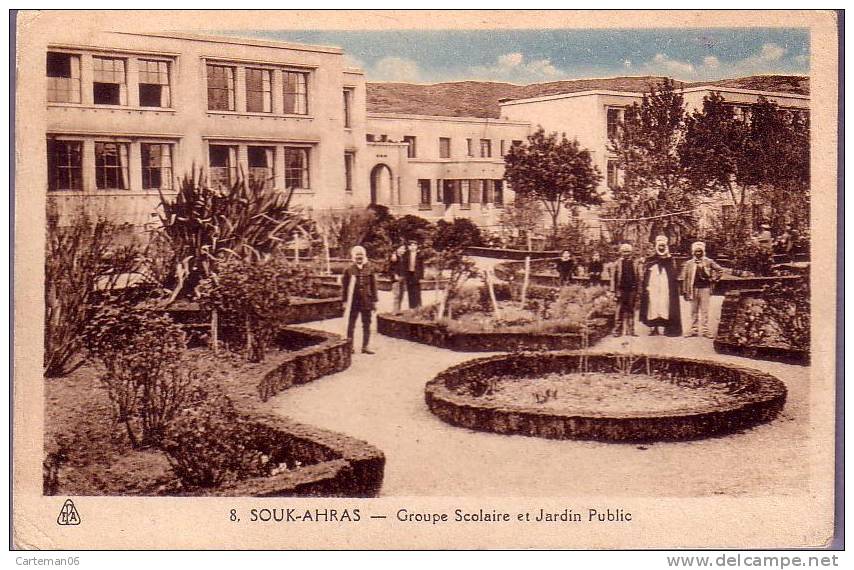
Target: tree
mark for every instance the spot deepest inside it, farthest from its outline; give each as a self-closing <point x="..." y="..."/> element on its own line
<point x="762" y="153"/>
<point x="449" y="243"/>
<point x="523" y="216"/>
<point x="555" y="171"/>
<point x="654" y="195"/>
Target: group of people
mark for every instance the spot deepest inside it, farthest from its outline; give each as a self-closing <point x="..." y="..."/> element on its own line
<point x="359" y="286"/>
<point x="656" y="283"/>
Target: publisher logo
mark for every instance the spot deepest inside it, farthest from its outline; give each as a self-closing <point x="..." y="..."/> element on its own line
<point x="68" y="515"/>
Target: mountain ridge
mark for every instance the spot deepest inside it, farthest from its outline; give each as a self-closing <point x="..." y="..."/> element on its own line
<point x="480" y="98"/>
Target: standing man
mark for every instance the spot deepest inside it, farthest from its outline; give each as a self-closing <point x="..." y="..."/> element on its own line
<point x="625" y="280"/>
<point x="397" y="269"/>
<point x="363" y="300"/>
<point x="413" y="272"/>
<point x="594" y="270"/>
<point x="698" y="275"/>
<point x="659" y="305"/>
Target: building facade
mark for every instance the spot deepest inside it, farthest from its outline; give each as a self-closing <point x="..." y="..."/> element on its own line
<point x="129" y="114"/>
<point x="441" y="167"/>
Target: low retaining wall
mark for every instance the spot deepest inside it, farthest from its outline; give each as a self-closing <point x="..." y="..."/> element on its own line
<point x="437" y="335"/>
<point x="763" y="397"/>
<point x="517" y="254"/>
<point x="335" y="464"/>
<point x="385" y="284"/>
<point x="307" y="310"/>
<point x="722" y="344"/>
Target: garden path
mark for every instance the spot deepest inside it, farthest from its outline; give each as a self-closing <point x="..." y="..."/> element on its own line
<point x="380" y="399"/>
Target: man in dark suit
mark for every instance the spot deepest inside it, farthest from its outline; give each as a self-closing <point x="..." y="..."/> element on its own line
<point x="413" y="273"/>
<point x="625" y="283"/>
<point x="363" y="299"/>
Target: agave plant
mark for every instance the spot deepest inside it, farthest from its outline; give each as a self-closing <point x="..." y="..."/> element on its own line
<point x="246" y="219"/>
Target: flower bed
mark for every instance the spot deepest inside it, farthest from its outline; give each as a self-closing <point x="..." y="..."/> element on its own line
<point x="459" y="396"/>
<point x="295" y="459"/>
<point x="385" y="284"/>
<point x="748" y="329"/>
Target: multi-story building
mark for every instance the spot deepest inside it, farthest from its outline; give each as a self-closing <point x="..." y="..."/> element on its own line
<point x="129" y="114"/>
<point x="441" y="167"/>
<point x="592" y="117"/>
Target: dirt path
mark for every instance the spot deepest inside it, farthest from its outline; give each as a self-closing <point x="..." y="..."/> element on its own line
<point x="381" y="399"/>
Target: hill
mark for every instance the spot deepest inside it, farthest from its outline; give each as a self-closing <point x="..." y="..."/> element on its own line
<point x="480" y="98"/>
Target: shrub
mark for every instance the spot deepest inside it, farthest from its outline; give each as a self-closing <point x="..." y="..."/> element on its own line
<point x="248" y="219"/>
<point x="211" y="443"/>
<point x="250" y="296"/>
<point x="145" y="377"/>
<point x="82" y="262"/>
<point x="779" y="317"/>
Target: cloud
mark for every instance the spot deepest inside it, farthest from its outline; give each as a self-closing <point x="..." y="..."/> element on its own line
<point x="711" y="62"/>
<point x="394" y="68"/>
<point x="516" y="68"/>
<point x="769" y="58"/>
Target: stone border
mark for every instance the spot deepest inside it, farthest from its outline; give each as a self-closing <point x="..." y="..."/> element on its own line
<point x="385" y="284"/>
<point x="337" y="465"/>
<point x="768" y="399"/>
<point x="729" y="310"/>
<point x="436" y="335"/>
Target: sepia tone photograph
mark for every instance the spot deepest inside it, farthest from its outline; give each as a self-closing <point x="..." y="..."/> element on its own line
<point x="435" y="280"/>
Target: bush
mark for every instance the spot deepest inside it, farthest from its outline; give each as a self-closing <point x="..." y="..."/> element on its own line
<point x="780" y="317"/>
<point x="250" y="295"/>
<point x="211" y="443"/>
<point x="145" y="377"/>
<point x="751" y="257"/>
<point x="82" y="262"/>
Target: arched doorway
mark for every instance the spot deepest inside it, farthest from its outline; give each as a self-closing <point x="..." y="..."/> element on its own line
<point x="382" y="189"/>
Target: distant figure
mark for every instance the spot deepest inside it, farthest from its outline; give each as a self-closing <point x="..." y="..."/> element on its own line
<point x="625" y="280"/>
<point x="413" y="271"/>
<point x="659" y="307"/>
<point x="364" y="299"/>
<point x="594" y="269"/>
<point x="764" y="238"/>
<point x="397" y="270"/>
<point x="565" y="267"/>
<point x="785" y="242"/>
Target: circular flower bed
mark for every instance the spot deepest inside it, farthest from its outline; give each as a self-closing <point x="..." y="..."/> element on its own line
<point x="607" y="397"/>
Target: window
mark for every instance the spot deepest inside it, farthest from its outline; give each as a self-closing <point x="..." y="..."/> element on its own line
<point x="485" y="148"/>
<point x="110" y="84"/>
<point x="503" y="147"/>
<point x="64" y="165"/>
<point x="259" y="91"/>
<point x="451" y="192"/>
<point x="498" y="192"/>
<point x="262" y="160"/>
<point x="111" y="166"/>
<point x="488" y="191"/>
<point x="63" y="77"/>
<point x="153" y="83"/>
<point x="444" y="147"/>
<point x="469" y="147"/>
<point x="410" y="149"/>
<point x="348" y="108"/>
<point x="296" y="168"/>
<point x="296" y="92"/>
<point x="156" y="165"/>
<point x="349" y="161"/>
<point x="424" y="192"/>
<point x="223" y="165"/>
<point x="516" y="143"/>
<point x="220" y="88"/>
<point x="613" y="174"/>
<point x="615" y="117"/>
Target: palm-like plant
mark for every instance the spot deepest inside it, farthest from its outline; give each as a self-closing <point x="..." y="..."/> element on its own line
<point x="247" y="219"/>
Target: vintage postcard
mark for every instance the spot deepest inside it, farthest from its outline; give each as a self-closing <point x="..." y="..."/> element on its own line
<point x="425" y="280"/>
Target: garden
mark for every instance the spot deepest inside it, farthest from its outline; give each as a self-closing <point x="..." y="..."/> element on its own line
<point x="160" y="353"/>
<point x="772" y="323"/>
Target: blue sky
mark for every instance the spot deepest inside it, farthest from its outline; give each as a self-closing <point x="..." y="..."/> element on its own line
<point x="530" y="56"/>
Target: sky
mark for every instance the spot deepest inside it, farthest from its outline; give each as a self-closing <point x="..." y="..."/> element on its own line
<point x="534" y="56"/>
